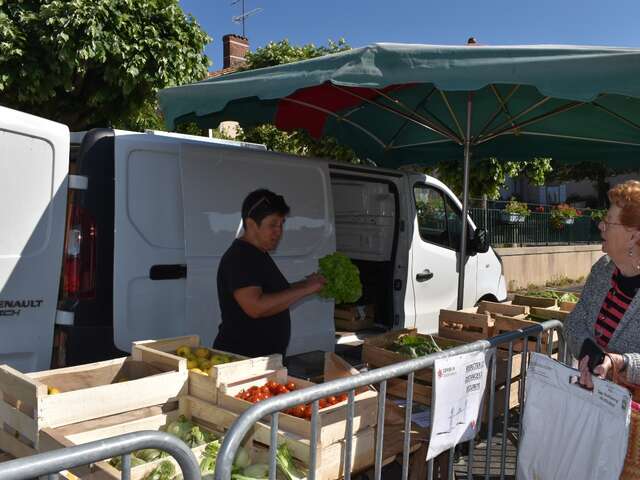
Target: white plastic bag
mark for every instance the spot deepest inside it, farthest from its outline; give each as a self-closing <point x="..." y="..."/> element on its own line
<point x="570" y="432"/>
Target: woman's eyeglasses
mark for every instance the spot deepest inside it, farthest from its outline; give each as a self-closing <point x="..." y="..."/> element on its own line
<point x="606" y="223"/>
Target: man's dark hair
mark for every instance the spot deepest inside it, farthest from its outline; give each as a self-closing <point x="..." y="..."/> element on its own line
<point x="262" y="203"/>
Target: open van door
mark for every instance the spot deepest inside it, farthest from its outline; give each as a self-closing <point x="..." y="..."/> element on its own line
<point x="34" y="162"/>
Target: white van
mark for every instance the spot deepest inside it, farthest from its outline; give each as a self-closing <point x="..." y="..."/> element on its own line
<point x="111" y="236"/>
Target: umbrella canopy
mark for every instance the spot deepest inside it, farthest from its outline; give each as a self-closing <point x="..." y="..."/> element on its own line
<point x="407" y="104"/>
<point x="420" y="104"/>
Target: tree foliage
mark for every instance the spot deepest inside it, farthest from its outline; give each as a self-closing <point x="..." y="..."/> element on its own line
<point x="488" y="175"/>
<point x="298" y="142"/>
<point x="596" y="172"/>
<point x="92" y="63"/>
<point x="278" y="53"/>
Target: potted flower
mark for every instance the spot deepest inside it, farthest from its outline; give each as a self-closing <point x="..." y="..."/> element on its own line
<point x="598" y="215"/>
<point x="515" y="211"/>
<point x="563" y="214"/>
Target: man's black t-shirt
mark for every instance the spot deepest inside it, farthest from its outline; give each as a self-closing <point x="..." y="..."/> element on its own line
<point x="244" y="265"/>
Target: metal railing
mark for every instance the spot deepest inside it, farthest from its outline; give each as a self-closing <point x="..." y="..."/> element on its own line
<point x="380" y="376"/>
<point x="536" y="229"/>
<point x="50" y="463"/>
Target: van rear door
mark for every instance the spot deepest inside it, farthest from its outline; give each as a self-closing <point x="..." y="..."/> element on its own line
<point x="34" y="163"/>
<point x="215" y="181"/>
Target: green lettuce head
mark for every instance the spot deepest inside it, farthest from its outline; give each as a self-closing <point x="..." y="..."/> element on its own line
<point x="343" y="278"/>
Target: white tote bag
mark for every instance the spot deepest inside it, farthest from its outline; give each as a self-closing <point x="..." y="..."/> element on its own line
<point x="569" y="432"/>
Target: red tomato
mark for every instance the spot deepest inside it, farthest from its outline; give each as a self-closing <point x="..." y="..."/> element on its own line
<point x="264" y="389"/>
<point x="307" y="412"/>
<point x="332" y="400"/>
<point x="298" y="411"/>
<point x="342" y="397"/>
<point x="282" y="389"/>
<point x="323" y="404"/>
<point x="291" y="386"/>
<point x="255" y="388"/>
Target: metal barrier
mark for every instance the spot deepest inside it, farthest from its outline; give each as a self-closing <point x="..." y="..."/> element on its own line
<point x="50" y="463"/>
<point x="274" y="405"/>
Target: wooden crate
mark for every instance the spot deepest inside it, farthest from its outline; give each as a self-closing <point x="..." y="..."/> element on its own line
<point x="548" y="314"/>
<point x="541" y="302"/>
<point x="328" y="457"/>
<point x="465" y="325"/>
<point x="422" y="391"/>
<point x="376" y="353"/>
<point x="354" y="317"/>
<point x="86" y="392"/>
<point x="506" y="309"/>
<point x="505" y="324"/>
<point x="206" y="386"/>
<point x="331" y="420"/>
<point x="498" y="400"/>
<point x="567" y="306"/>
<point x="150" y="418"/>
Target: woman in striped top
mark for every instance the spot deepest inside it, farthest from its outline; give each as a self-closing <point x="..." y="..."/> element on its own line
<point x="609" y="308"/>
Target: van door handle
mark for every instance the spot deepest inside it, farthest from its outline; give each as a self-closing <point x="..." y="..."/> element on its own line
<point x="425" y="275"/>
<point x="167" y="272"/>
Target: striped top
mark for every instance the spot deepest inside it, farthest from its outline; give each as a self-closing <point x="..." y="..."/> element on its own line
<point x="614" y="305"/>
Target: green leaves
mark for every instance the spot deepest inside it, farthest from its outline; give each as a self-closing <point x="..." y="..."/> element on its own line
<point x="298" y="142"/>
<point x="488" y="175"/>
<point x="93" y="63"/>
<point x="415" y="346"/>
<point x="277" y="53"/>
<point x="343" y="278"/>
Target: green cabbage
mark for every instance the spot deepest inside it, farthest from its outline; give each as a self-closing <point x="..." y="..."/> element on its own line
<point x="343" y="278"/>
<point x="180" y="427"/>
<point x="258" y="470"/>
<point x="242" y="459"/>
<point x="165" y="471"/>
<point x="209" y="456"/>
<point x="286" y="464"/>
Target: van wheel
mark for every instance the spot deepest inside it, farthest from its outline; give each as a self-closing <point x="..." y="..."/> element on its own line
<point x="487" y="298"/>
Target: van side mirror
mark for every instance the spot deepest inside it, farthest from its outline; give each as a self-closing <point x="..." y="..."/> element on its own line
<point x="480" y="241"/>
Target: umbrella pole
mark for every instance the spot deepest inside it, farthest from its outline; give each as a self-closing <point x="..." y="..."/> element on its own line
<point x="462" y="257"/>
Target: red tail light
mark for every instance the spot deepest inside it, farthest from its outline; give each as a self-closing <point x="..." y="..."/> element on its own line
<point x="79" y="269"/>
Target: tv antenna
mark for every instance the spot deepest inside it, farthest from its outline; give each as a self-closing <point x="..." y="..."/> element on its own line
<point x="242" y="18"/>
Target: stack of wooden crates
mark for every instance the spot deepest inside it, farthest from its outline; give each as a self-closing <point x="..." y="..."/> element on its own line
<point x="151" y="388"/>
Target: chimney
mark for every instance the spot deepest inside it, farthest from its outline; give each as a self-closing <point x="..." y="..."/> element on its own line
<point x="235" y="48"/>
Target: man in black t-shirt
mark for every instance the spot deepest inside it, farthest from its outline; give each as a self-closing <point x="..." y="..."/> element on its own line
<point x="254" y="296"/>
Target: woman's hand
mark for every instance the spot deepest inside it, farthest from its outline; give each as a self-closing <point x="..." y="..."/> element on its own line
<point x="604" y="369"/>
<point x="601" y="371"/>
<point x="314" y="283"/>
<point x="585" y="375"/>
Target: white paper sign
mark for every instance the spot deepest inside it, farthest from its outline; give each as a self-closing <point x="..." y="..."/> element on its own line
<point x="459" y="384"/>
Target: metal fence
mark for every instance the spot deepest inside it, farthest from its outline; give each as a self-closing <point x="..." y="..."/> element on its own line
<point x="50" y="463"/>
<point x="536" y="229"/>
<point x="379" y="377"/>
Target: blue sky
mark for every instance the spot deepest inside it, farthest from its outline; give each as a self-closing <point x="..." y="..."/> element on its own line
<point x="361" y="22"/>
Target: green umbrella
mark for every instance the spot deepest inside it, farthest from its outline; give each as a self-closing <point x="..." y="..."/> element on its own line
<point x="419" y="104"/>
